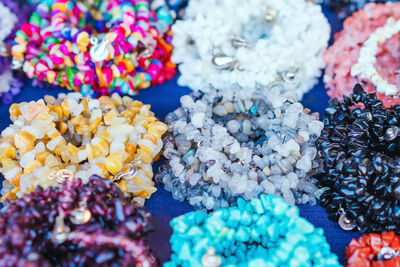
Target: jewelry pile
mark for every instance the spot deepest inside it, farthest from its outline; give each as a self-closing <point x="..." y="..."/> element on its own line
<point x="241" y="148"/>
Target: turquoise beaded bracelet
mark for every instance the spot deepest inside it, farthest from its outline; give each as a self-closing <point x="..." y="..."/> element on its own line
<point x="263" y="232"/>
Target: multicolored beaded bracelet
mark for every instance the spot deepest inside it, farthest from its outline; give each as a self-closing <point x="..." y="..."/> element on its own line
<point x="345" y="8"/>
<point x="263" y="232"/>
<point x="366" y="51"/>
<point x="113" y="137"/>
<point x="360" y="148"/>
<point x="250" y="45"/>
<point x="222" y="148"/>
<point x="9" y="23"/>
<point x="75" y="224"/>
<point x="374" y="250"/>
<point x="99" y="48"/>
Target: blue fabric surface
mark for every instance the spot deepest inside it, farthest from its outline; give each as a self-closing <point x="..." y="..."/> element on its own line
<point x="165" y="99"/>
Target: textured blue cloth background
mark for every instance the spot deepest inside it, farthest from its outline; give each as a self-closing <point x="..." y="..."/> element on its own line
<point x="164" y="99"/>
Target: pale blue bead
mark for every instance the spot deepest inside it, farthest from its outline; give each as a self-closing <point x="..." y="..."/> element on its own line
<point x="125" y="88"/>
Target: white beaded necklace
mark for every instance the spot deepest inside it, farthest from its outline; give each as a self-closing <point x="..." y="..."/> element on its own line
<point x="250" y="44"/>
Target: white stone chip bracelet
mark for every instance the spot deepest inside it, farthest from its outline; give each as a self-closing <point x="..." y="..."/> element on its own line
<point x="250" y="44"/>
<point x="221" y="148"/>
<point x="367" y="58"/>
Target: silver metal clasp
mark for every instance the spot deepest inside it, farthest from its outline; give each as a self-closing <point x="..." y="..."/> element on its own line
<point x="16" y="64"/>
<point x="391" y="133"/>
<point x="224" y="62"/>
<point x="387" y="253"/>
<point x="239" y="42"/>
<point x="344" y="222"/>
<point x="270" y="15"/>
<point x="128" y="171"/>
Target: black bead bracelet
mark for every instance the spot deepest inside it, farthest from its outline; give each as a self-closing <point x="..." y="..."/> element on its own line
<point x="361" y="151"/>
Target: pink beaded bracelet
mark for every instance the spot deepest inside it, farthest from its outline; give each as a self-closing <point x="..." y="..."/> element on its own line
<point x="345" y="53"/>
<point x="98" y="48"/>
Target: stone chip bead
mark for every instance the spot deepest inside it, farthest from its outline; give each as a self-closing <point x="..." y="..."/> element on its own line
<point x="262" y="232"/>
<point x="359" y="144"/>
<point x="113" y="137"/>
<point x="75" y="224"/>
<point x="250" y="45"/>
<point x="220" y="148"/>
<point x="97" y="47"/>
<point x="366" y="52"/>
<point x="374" y="250"/>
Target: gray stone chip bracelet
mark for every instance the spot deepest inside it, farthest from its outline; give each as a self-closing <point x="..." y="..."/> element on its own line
<point x="221" y="148"/>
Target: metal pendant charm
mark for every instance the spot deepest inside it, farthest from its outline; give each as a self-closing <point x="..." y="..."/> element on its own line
<point x="391" y="133"/>
<point x="80" y="215"/>
<point x="128" y="171"/>
<point x="238" y="42"/>
<point x="289" y="76"/>
<point x="387" y="253"/>
<point x="98" y="52"/>
<point x="16" y="64"/>
<point x="223" y="62"/>
<point x="147" y="52"/>
<point x="60" y="231"/>
<point x="3" y="50"/>
<point x="210" y="259"/>
<point x="63" y="175"/>
<point x="345" y="223"/>
<point x="270" y="15"/>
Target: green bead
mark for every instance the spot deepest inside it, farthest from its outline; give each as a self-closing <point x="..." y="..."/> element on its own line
<point x="21" y="35"/>
<point x="70" y="77"/>
<point x="141" y="6"/>
<point x="35" y="19"/>
<point x="82" y="22"/>
<point x="51" y="40"/>
<point x="59" y="77"/>
<point x="137" y="81"/>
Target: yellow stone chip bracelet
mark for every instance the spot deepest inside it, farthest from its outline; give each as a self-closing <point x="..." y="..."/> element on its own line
<point x="113" y="137"/>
